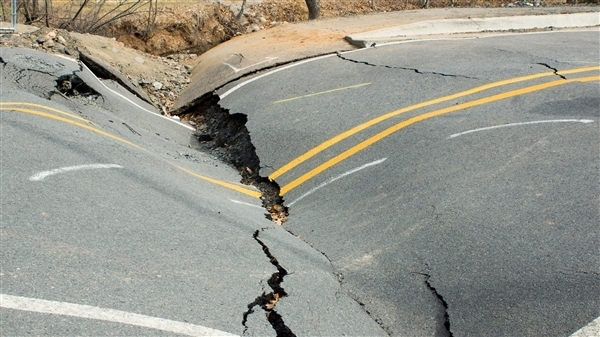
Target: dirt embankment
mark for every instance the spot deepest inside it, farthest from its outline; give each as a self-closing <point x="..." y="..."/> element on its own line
<point x="184" y="26"/>
<point x="195" y="27"/>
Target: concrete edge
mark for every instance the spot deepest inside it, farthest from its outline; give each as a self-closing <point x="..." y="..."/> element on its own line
<point x="103" y="70"/>
<point x="473" y="25"/>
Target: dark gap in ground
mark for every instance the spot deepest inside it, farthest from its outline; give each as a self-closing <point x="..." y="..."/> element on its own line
<point x="225" y="136"/>
<point x="553" y="69"/>
<point x="441" y="300"/>
<point x="268" y="301"/>
<point x="72" y="86"/>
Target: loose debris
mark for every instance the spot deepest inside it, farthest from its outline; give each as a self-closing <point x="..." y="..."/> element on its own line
<point x="278" y="214"/>
<point x="161" y="84"/>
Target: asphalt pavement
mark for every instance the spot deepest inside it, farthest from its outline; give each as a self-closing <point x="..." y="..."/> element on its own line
<point x="247" y="54"/>
<point x="113" y="225"/>
<point x="102" y="253"/>
<point x="444" y="183"/>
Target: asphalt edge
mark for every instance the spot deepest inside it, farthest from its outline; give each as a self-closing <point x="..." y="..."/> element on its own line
<point x="473" y="25"/>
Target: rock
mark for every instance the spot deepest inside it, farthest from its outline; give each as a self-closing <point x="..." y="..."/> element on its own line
<point x="51" y="35"/>
<point x="61" y="40"/>
<point x="253" y="28"/>
<point x="61" y="48"/>
<point x="139" y="59"/>
<point x="49" y="44"/>
<point x="41" y="39"/>
<point x="157" y="85"/>
<point x="188" y="68"/>
<point x="262" y="20"/>
<point x="71" y="51"/>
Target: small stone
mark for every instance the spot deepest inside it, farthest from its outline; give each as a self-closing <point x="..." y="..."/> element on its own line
<point x="51" y="35"/>
<point x="41" y="39"/>
<point x="71" y="51"/>
<point x="188" y="68"/>
<point x="61" y="48"/>
<point x="61" y="40"/>
<point x="139" y="59"/>
<point x="115" y="50"/>
<point x="49" y="44"/>
<point x="262" y="20"/>
<point x="157" y="85"/>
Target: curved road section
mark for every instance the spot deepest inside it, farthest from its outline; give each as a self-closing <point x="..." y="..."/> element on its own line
<point x="453" y="184"/>
<point x="114" y="224"/>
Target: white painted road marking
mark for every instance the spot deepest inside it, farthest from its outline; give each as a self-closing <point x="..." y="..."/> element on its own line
<point x="103" y="314"/>
<point x="244" y="203"/>
<point x="377" y="162"/>
<point x="268" y="59"/>
<point x="41" y="175"/>
<point x="139" y="106"/>
<point x="225" y="94"/>
<point x="590" y="330"/>
<point x="585" y="121"/>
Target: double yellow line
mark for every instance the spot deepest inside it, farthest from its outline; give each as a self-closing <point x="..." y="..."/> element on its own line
<point x="379" y="136"/>
<point x="77" y="121"/>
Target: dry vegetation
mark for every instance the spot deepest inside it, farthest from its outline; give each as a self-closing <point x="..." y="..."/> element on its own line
<point x="163" y="27"/>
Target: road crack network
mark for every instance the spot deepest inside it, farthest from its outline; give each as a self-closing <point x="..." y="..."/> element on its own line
<point x="339" y="55"/>
<point x="268" y="301"/>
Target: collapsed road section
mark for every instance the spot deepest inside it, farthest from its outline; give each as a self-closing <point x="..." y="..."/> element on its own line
<point x="225" y="136"/>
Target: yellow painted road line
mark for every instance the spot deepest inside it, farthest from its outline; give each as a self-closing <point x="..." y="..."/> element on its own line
<point x="364" y="144"/>
<point x="322" y="92"/>
<point x="45" y="108"/>
<point x="68" y="121"/>
<point x="332" y="141"/>
<point x="234" y="187"/>
<point x="240" y="189"/>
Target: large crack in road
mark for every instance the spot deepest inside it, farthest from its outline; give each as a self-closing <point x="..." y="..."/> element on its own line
<point x="268" y="301"/>
<point x="225" y="136"/>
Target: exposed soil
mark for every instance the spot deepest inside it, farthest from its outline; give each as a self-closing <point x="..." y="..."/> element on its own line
<point x="197" y="26"/>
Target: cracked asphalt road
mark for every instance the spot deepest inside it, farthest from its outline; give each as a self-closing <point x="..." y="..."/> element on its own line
<point x="112" y="224"/>
<point x="461" y="205"/>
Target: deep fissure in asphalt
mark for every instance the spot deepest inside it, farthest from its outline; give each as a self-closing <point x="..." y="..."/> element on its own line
<point x="71" y="85"/>
<point x="555" y="70"/>
<point x="225" y="136"/>
<point x="268" y="301"/>
<point x="441" y="300"/>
